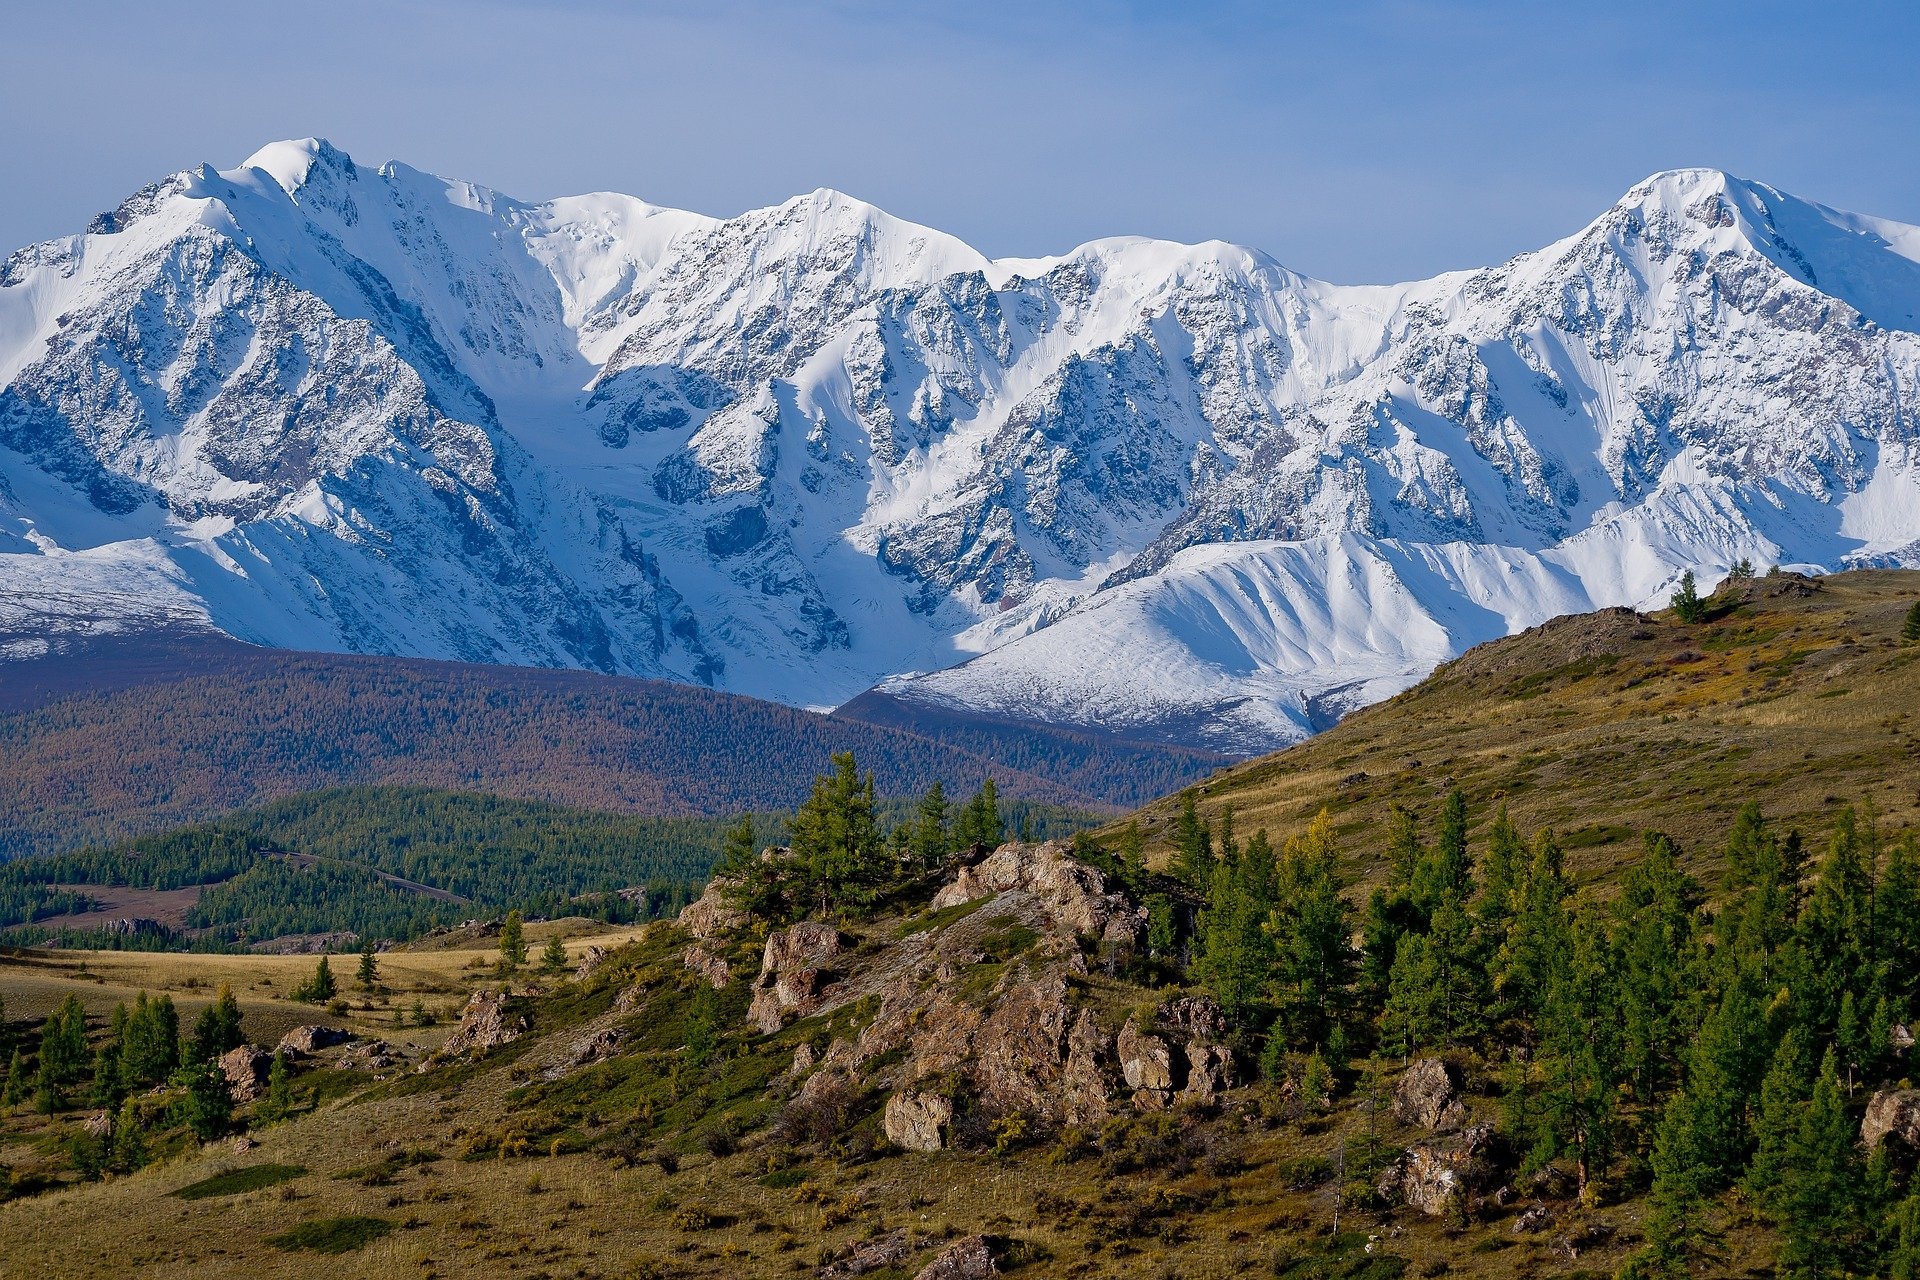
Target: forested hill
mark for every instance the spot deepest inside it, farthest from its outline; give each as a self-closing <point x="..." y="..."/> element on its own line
<point x="1799" y="694"/>
<point x="123" y="736"/>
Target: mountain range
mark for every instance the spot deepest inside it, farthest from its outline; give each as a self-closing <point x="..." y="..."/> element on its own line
<point x="1155" y="491"/>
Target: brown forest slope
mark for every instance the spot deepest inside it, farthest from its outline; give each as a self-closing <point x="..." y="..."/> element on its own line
<point x="135" y="735"/>
<point x="1795" y="693"/>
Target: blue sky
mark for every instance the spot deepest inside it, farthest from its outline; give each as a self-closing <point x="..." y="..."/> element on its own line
<point x="1355" y="141"/>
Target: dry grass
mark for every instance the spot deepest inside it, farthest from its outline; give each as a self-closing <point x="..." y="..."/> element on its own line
<point x="1797" y="695"/>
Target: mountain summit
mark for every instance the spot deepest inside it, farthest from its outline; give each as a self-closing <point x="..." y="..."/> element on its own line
<point x="1163" y="490"/>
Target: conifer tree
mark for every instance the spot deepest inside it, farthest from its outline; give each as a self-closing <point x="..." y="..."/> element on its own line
<point x="150" y="1046"/>
<point x="931" y="841"/>
<point x="553" y="957"/>
<point x="63" y="1052"/>
<point x="1539" y="936"/>
<point x="1910" y="629"/>
<point x="513" y="944"/>
<point x="763" y="887"/>
<point x="1653" y="931"/>
<point x="1776" y="1121"/>
<point x="129" y="1138"/>
<point x="1236" y="952"/>
<point x="1500" y="872"/>
<point x="18" y="1088"/>
<point x="277" y="1105"/>
<point x="1133" y="851"/>
<point x="1309" y="927"/>
<point x="207" y="1109"/>
<point x="1192" y="843"/>
<point x="1686" y="604"/>
<point x="837" y="847"/>
<point x="368" y="973"/>
<point x="1820" y="1191"/>
<point x="218" y="1027"/>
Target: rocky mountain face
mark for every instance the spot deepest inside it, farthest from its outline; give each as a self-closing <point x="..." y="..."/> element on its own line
<point x="1149" y="489"/>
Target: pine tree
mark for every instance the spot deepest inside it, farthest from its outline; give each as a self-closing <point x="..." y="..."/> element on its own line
<point x="63" y="1052"/>
<point x="513" y="941"/>
<point x="1653" y="932"/>
<point x="1910" y="629"/>
<point x="1133" y="852"/>
<point x="1776" y="1122"/>
<point x="1539" y="936"/>
<point x="277" y="1105"/>
<point x="763" y="887"/>
<point x="1820" y="1191"/>
<point x="1443" y="874"/>
<point x="150" y="1045"/>
<point x="931" y="840"/>
<point x="1580" y="1055"/>
<point x="837" y="846"/>
<point x="1309" y="928"/>
<point x="1705" y="1130"/>
<point x="1192" y="844"/>
<point x="1500" y="872"/>
<point x="129" y="1138"/>
<point x="1236" y="951"/>
<point x="18" y="1086"/>
<point x="218" y="1027"/>
<point x="369" y="971"/>
<point x="1686" y="604"/>
<point x="554" y="957"/>
<point x="207" y="1109"/>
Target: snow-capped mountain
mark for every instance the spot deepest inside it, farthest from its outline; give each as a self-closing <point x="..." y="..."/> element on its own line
<point x="1166" y="490"/>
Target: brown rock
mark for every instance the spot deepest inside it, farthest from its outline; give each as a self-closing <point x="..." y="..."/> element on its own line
<point x="485" y="1024"/>
<point x="712" y="914"/>
<point x="629" y="999"/>
<point x="246" y="1069"/>
<point x="99" y="1124"/>
<point x="1145" y="1060"/>
<point x="1209" y="1071"/>
<point x="862" y="1256"/>
<point x="917" y="1121"/>
<point x="1895" y="1112"/>
<point x="302" y="1041"/>
<point x="1071" y="892"/>
<point x="598" y="1047"/>
<point x="1083" y="1086"/>
<point x="1431" y="1177"/>
<point x="1427" y="1097"/>
<point x="590" y="959"/>
<point x="708" y="965"/>
<point x="967" y="1258"/>
<point x="802" y="1060"/>
<point x="793" y="972"/>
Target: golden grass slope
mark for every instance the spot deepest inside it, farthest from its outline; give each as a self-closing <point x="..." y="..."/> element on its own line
<point x="1796" y="693"/>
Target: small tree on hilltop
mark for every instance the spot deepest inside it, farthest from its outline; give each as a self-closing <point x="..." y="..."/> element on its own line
<point x="320" y="988"/>
<point x="369" y="974"/>
<point x="1686" y="603"/>
<point x="513" y="942"/>
<point x="554" y="958"/>
<point x="1910" y="633"/>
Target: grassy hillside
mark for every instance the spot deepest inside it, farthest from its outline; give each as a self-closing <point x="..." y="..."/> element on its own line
<point x="129" y="736"/>
<point x="1795" y="693"/>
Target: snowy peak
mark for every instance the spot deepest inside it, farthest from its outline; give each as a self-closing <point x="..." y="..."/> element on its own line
<point x="1150" y="488"/>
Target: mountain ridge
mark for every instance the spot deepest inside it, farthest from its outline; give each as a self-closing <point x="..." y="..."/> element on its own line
<point x="1170" y="492"/>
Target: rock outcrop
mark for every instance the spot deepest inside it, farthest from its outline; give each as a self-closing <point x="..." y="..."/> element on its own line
<point x="1433" y="1177"/>
<point x="1895" y="1113"/>
<point x="708" y="965"/>
<point x="917" y="1121"/>
<point x="864" y="1256"/>
<point x="1146" y="1063"/>
<point x="590" y="959"/>
<point x="304" y="1041"/>
<point x="486" y="1023"/>
<point x="1428" y="1098"/>
<point x="794" y="969"/>
<point x="968" y="1258"/>
<point x="247" y="1069"/>
<point x="1073" y="894"/>
<point x="712" y="915"/>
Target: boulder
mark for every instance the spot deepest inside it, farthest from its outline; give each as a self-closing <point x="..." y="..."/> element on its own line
<point x="375" y="1055"/>
<point x="708" y="965"/>
<point x="1072" y="893"/>
<point x="794" y="970"/>
<point x="1209" y="1071"/>
<point x="917" y="1121"/>
<point x="1432" y="1177"/>
<point x="598" y="1047"/>
<point x="1428" y="1098"/>
<point x="1146" y="1063"/>
<point x="1083" y="1086"/>
<point x="802" y="1060"/>
<point x="712" y="914"/>
<point x="246" y="1069"/>
<point x="98" y="1125"/>
<point x="967" y="1258"/>
<point x="302" y="1041"/>
<point x="1895" y="1112"/>
<point x="485" y="1025"/>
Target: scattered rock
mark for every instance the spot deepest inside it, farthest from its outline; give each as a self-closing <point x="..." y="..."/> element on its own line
<point x="708" y="965"/>
<point x="1535" y="1219"/>
<point x="1427" y="1097"/>
<point x="1430" y="1177"/>
<point x="311" y="1039"/>
<point x="99" y="1124"/>
<point x="485" y="1025"/>
<point x="862" y="1256"/>
<point x="246" y="1069"/>
<point x="918" y="1121"/>
<point x="1900" y="1037"/>
<point x="967" y="1258"/>
<point x="590" y="960"/>
<point x="1892" y="1111"/>
<point x="598" y="1047"/>
<point x="793" y="972"/>
<point x="240" y="1144"/>
<point x="629" y="999"/>
<point x="374" y="1055"/>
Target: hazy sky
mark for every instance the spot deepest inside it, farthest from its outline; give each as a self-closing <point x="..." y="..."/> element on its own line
<point x="1354" y="140"/>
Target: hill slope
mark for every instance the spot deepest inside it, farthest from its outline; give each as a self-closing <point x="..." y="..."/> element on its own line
<point x="127" y="735"/>
<point x="1796" y="693"/>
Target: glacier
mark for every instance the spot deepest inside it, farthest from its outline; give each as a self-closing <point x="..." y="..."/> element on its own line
<point x="1170" y="492"/>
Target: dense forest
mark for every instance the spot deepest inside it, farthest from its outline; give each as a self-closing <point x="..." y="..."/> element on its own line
<point x="215" y="727"/>
<point x="485" y="854"/>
